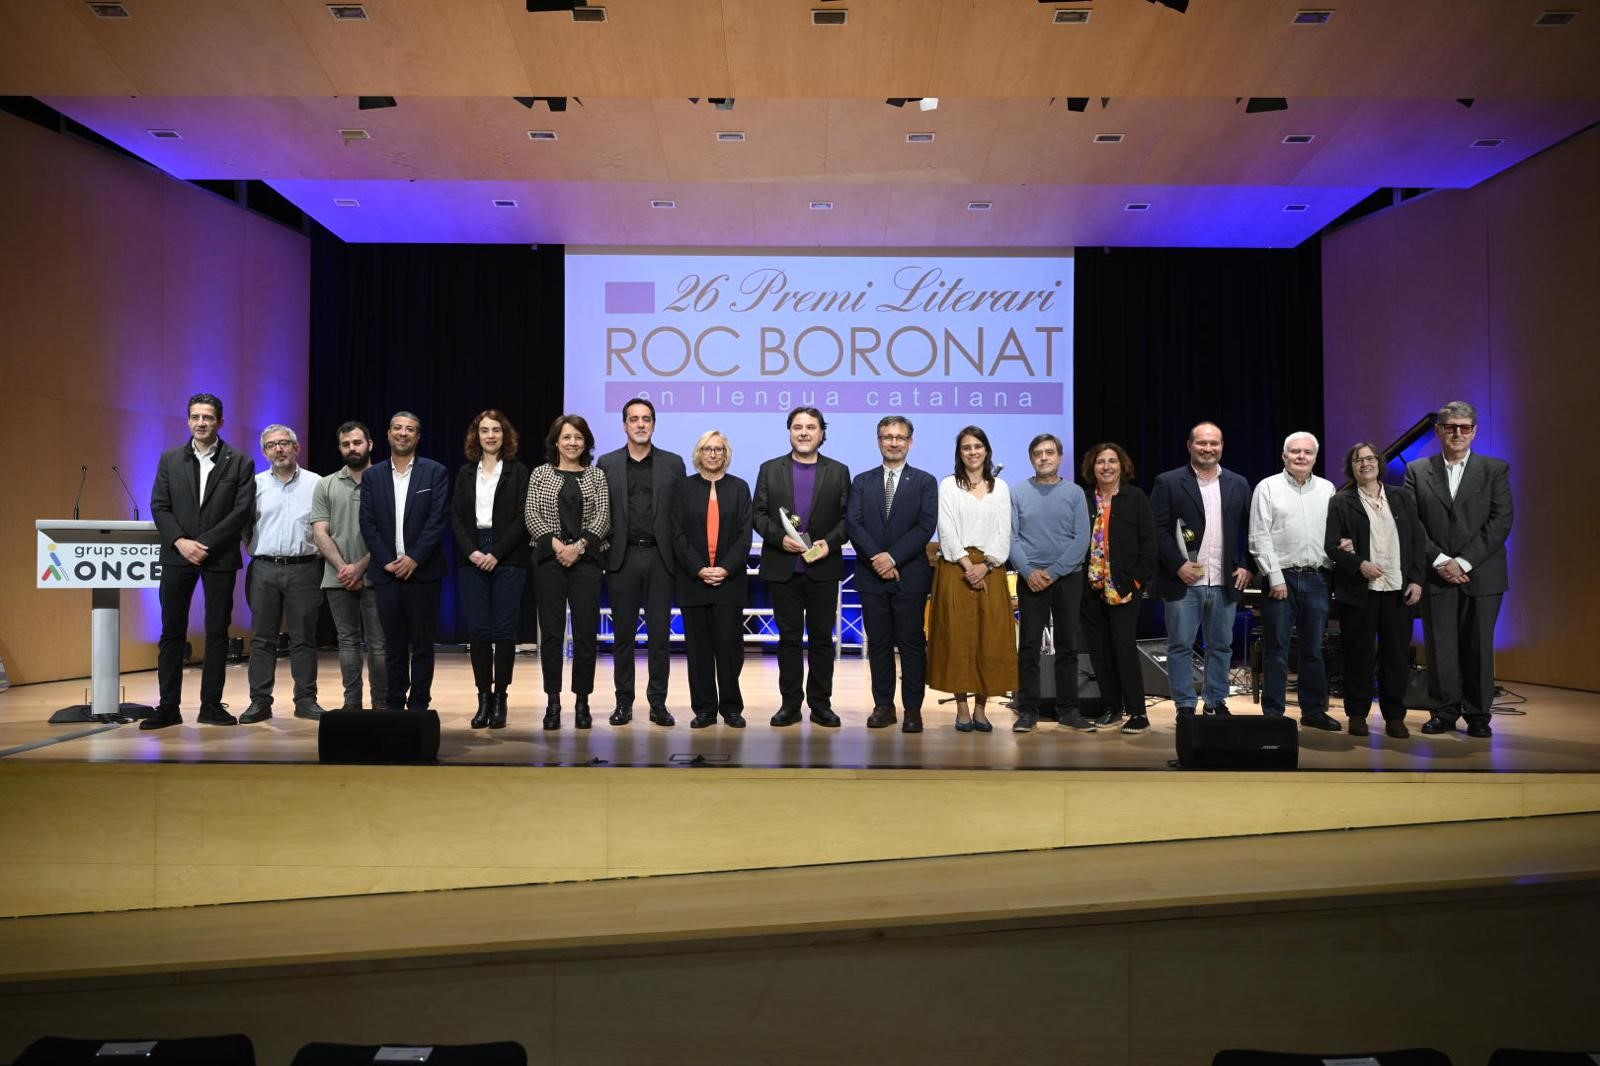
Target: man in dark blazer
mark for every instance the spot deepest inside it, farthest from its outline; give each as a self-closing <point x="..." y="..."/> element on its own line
<point x="891" y="515"/>
<point x="405" y="503"/>
<point x="805" y="593"/>
<point x="203" y="500"/>
<point x="1202" y="582"/>
<point x="639" y="568"/>
<point x="1464" y="501"/>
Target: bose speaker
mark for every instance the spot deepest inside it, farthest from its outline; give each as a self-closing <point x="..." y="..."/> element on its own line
<point x="378" y="736"/>
<point x="1238" y="742"/>
<point x="234" y="1050"/>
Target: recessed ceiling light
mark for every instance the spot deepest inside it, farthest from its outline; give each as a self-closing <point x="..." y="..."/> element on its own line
<point x="165" y="135"/>
<point x="821" y="16"/>
<point x="730" y="135"/>
<point x="343" y="201"/>
<point x="1300" y="138"/>
<point x="355" y="135"/>
<point x="541" y="135"/>
<point x="1488" y="142"/>
<point x="348" y="12"/>
<point x="821" y="205"/>
<point x="1555" y="19"/>
<point x="929" y="103"/>
<point x="1297" y="207"/>
<point x="980" y="205"/>
<point x="1070" y="16"/>
<point x="1108" y="138"/>
<point x="919" y="138"/>
<point x="588" y="14"/>
<point x="1317" y="16"/>
<point x="663" y="205"/>
<point x="110" y="11"/>
<point x="505" y="203"/>
<point x="1136" y="207"/>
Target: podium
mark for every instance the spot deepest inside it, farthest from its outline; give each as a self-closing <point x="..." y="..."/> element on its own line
<point x="104" y="557"/>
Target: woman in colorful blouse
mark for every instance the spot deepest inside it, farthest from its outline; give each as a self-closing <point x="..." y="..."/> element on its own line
<point x="1122" y="560"/>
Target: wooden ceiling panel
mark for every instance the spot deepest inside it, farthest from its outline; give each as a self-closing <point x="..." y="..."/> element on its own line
<point x="172" y="48"/>
<point x="786" y="140"/>
<point x="645" y="48"/>
<point x="1036" y="141"/>
<point x="415" y="48"/>
<point x="706" y="214"/>
<point x="859" y="216"/>
<point x="44" y="48"/>
<point x="867" y="140"/>
<point x="887" y="48"/>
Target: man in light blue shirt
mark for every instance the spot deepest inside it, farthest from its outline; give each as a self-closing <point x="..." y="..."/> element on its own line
<point x="285" y="582"/>
<point x="1049" y="541"/>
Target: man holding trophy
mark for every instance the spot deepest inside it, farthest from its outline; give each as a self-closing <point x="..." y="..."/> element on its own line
<point x="1201" y="513"/>
<point x="799" y="510"/>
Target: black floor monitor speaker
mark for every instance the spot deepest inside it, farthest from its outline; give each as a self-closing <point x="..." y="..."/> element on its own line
<point x="1090" y="700"/>
<point x="1238" y="742"/>
<point x="1153" y="665"/>
<point x="502" y="1053"/>
<point x="1416" y="1056"/>
<point x="378" y="736"/>
<point x="234" y="1050"/>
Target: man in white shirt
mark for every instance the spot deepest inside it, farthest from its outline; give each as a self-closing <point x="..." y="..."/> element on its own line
<point x="1288" y="526"/>
<point x="285" y="578"/>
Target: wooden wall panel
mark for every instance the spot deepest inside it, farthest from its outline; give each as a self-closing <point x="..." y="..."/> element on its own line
<point x="1487" y="295"/>
<point x="124" y="291"/>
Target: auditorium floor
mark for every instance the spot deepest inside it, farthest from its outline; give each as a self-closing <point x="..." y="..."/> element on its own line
<point x="1537" y="729"/>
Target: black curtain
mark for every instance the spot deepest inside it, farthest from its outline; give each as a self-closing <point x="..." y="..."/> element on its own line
<point x="443" y="331"/>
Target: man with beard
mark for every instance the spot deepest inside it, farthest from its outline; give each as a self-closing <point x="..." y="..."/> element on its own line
<point x="352" y="600"/>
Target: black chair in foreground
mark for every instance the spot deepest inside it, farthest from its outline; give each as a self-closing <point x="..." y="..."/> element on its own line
<point x="1510" y="1056"/>
<point x="1417" y="1056"/>
<point x="500" y="1053"/>
<point x="231" y="1050"/>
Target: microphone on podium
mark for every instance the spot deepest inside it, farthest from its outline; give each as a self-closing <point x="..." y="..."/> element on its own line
<point x="78" y="500"/>
<point x="125" y="488"/>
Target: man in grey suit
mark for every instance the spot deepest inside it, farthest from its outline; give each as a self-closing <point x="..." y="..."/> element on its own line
<point x="1464" y="501"/>
<point x="642" y="480"/>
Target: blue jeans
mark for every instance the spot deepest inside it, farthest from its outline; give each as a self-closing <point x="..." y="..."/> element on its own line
<point x="1205" y="610"/>
<point x="1306" y="609"/>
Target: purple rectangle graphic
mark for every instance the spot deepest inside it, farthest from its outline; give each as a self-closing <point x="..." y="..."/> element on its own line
<point x="777" y="396"/>
<point x="630" y="297"/>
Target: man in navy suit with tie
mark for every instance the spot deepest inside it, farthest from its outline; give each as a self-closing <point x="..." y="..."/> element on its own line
<point x="1464" y="501"/>
<point x="890" y="516"/>
<point x="403" y="515"/>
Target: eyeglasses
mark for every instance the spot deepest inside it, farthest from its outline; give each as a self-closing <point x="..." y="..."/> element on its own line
<point x="893" y="438"/>
<point x="712" y="449"/>
<point x="271" y="444"/>
<point x="1363" y="459"/>
<point x="1456" y="429"/>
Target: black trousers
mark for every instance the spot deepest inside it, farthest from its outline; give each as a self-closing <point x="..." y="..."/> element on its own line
<point x="1384" y="616"/>
<point x="177" y="592"/>
<point x="1458" y="631"/>
<point x="1111" y="632"/>
<point x="559" y="588"/>
<point x="802" y="606"/>
<point x="409" y="613"/>
<point x="1059" y="605"/>
<point x="641" y="579"/>
<point x="894" y="621"/>
<point x="713" y="637"/>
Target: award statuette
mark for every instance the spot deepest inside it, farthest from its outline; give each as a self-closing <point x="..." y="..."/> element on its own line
<point x="791" y="523"/>
<point x="1189" y="544"/>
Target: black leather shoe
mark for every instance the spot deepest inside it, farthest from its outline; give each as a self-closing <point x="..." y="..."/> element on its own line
<point x="825" y="718"/>
<point x="1479" y="728"/>
<point x="311" y="710"/>
<point x="734" y="720"/>
<point x="497" y="711"/>
<point x="163" y="717"/>
<point x="485" y="711"/>
<point x="581" y="717"/>
<point x="913" y="722"/>
<point x="552" y="714"/>
<point x="1358" y="727"/>
<point x="1396" y="729"/>
<point x="256" y="712"/>
<point x="1438" y="724"/>
<point x="216" y="714"/>
<point x="701" y="721"/>
<point x="621" y="716"/>
<point x="881" y="717"/>
<point x="786" y="716"/>
<point x="662" y="716"/>
<point x="1321" y="721"/>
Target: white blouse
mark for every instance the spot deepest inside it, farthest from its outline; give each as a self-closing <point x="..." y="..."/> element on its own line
<point x="483" y="499"/>
<point x="967" y="521"/>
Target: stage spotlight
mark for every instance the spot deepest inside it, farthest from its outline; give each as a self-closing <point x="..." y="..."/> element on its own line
<point x="1466" y="101"/>
<point x="897" y="101"/>
<point x="721" y="103"/>
<point x="929" y="103"/>
<point x="1257" y="104"/>
<point x="554" y="103"/>
<point x="1077" y="103"/>
<point x="555" y="5"/>
<point x="1180" y="6"/>
<point x="374" y="103"/>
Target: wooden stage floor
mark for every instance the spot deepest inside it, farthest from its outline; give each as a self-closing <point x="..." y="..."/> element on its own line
<point x="1537" y="730"/>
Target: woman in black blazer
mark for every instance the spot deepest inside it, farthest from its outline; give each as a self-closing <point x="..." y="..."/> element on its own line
<point x="486" y="514"/>
<point x="711" y="581"/>
<point x="1121" y="562"/>
<point x="1376" y="542"/>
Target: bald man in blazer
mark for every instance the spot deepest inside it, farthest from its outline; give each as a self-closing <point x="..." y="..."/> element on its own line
<point x="1464" y="501"/>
